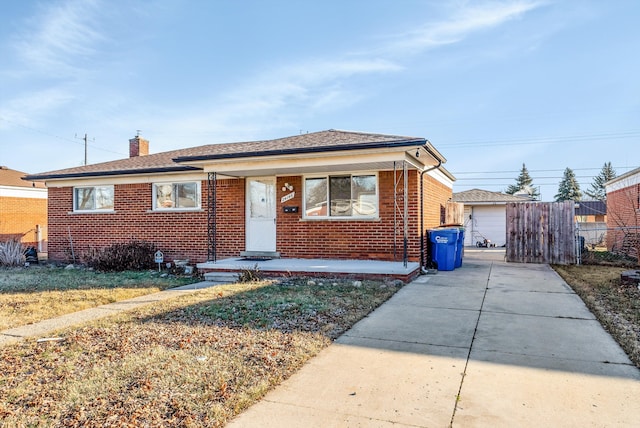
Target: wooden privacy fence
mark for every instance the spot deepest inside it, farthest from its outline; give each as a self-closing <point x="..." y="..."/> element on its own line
<point x="454" y="213"/>
<point x="541" y="232"/>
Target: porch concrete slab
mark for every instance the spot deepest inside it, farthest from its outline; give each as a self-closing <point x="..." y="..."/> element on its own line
<point x="372" y="384"/>
<point x="552" y="337"/>
<point x="499" y="395"/>
<point x="375" y="267"/>
<point x="563" y="305"/>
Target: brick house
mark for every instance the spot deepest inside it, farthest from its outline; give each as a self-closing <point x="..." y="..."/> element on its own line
<point x="330" y="194"/>
<point x="23" y="209"/>
<point x="623" y="213"/>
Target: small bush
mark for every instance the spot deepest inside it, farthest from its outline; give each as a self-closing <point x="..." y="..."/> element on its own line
<point x="134" y="255"/>
<point x="250" y="274"/>
<point x="11" y="253"/>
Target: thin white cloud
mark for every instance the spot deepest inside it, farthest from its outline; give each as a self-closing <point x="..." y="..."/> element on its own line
<point x="60" y="37"/>
<point x="23" y="109"/>
<point x="464" y="21"/>
<point x="277" y="99"/>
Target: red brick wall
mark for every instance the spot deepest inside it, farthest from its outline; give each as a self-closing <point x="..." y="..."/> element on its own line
<point x="19" y="217"/>
<point x="180" y="235"/>
<point x="622" y="211"/>
<point x="183" y="234"/>
<point x="361" y="239"/>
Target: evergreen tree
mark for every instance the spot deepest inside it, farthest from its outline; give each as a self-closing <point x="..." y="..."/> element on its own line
<point x="597" y="191"/>
<point x="569" y="189"/>
<point x="523" y="185"/>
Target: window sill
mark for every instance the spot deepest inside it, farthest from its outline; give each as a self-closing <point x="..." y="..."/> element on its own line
<point x="175" y="210"/>
<point x="92" y="212"/>
<point x="312" y="219"/>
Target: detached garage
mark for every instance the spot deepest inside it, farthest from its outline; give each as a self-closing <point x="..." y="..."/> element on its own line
<point x="485" y="215"/>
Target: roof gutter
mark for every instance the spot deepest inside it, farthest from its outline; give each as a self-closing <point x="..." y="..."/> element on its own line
<point x="306" y="150"/>
<point x="427" y="147"/>
<point x="181" y="168"/>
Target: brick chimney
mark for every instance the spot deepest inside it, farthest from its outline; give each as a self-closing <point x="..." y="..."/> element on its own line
<point x="138" y="146"/>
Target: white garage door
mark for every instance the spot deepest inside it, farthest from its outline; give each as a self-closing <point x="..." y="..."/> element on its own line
<point x="487" y="222"/>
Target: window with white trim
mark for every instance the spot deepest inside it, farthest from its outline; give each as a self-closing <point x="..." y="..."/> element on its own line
<point x="93" y="198"/>
<point x="346" y="196"/>
<point x="168" y="196"/>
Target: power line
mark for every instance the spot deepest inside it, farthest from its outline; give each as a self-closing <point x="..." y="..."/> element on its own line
<point x="48" y="134"/>
<point x="543" y="140"/>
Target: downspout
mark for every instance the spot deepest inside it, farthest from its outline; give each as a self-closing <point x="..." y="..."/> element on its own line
<point x="422" y="270"/>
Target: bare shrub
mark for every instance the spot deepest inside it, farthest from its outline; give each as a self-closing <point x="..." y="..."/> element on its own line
<point x="11" y="253"/>
<point x="133" y="255"/>
<point x="249" y="274"/>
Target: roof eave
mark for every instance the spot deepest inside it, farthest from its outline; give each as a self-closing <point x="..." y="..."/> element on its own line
<point x="42" y="177"/>
<point x="304" y="150"/>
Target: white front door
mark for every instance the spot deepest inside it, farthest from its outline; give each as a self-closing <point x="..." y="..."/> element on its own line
<point x="261" y="214"/>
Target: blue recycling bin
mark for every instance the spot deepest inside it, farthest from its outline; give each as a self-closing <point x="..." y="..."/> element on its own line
<point x="459" y="247"/>
<point x="443" y="248"/>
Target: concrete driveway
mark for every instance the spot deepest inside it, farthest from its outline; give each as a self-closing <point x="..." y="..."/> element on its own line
<point x="490" y="344"/>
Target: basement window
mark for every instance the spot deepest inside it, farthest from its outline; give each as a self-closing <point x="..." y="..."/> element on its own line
<point x="168" y="196"/>
<point x="93" y="198"/>
<point x="341" y="196"/>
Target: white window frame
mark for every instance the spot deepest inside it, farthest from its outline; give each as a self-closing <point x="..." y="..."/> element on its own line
<point x="95" y="193"/>
<point x="328" y="216"/>
<point x="173" y="184"/>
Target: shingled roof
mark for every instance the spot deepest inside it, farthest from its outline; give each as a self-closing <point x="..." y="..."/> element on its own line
<point x="12" y="178"/>
<point x="323" y="141"/>
<point x="591" y="208"/>
<point x="486" y="196"/>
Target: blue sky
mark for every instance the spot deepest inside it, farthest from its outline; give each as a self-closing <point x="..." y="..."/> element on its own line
<point x="492" y="84"/>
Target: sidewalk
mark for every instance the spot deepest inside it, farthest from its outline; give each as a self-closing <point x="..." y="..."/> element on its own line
<point x="44" y="327"/>
<point x="489" y="344"/>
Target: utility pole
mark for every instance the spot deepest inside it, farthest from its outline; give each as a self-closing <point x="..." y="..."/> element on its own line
<point x="86" y="143"/>
<point x="85" y="148"/>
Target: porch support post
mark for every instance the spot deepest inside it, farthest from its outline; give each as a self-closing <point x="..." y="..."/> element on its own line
<point x="395" y="207"/>
<point x="211" y="217"/>
<point x="405" y="224"/>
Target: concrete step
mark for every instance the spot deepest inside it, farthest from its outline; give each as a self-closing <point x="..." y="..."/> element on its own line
<point x="260" y="254"/>
<point x="221" y="277"/>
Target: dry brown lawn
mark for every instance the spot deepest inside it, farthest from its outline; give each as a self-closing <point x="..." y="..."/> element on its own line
<point x="196" y="360"/>
<point x="43" y="292"/>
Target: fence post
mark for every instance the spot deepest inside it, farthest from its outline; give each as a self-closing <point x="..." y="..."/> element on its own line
<point x="577" y="245"/>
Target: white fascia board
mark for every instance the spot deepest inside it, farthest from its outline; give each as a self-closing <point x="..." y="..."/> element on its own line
<point x="440" y="177"/>
<point x="631" y="178"/>
<point x="129" y="179"/>
<point x="23" y="192"/>
<point x="486" y="203"/>
<point x="300" y="163"/>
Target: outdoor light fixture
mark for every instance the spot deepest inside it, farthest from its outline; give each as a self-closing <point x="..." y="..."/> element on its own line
<point x="417" y="153"/>
<point x="288" y="187"/>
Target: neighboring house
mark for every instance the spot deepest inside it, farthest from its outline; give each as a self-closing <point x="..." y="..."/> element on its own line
<point x="23" y="209"/>
<point x="591" y="211"/>
<point x="330" y="194"/>
<point x="485" y="215"/>
<point x="591" y="218"/>
<point x="623" y="213"/>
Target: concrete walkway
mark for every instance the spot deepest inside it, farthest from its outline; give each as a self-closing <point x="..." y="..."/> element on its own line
<point x="490" y="344"/>
<point x="42" y="328"/>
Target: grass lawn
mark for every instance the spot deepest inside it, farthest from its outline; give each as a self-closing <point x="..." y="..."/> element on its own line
<point x="617" y="307"/>
<point x="42" y="292"/>
<point x="196" y="360"/>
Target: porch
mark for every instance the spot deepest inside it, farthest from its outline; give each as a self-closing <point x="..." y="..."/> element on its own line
<point x="226" y="270"/>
